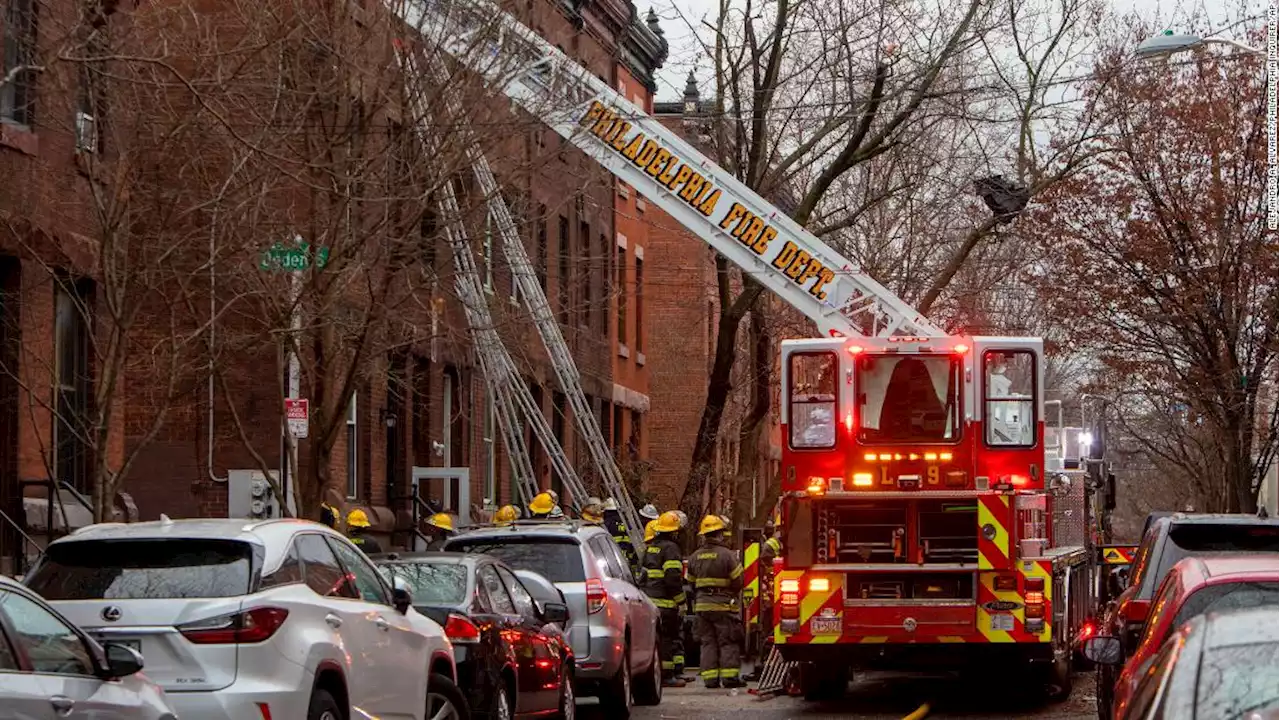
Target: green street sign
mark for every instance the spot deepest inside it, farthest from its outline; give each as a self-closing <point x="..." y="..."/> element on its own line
<point x="295" y="258"/>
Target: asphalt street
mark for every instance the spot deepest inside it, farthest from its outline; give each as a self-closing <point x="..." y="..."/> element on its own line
<point x="874" y="697"/>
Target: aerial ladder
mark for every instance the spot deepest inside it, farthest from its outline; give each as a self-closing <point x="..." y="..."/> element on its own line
<point x="973" y="483"/>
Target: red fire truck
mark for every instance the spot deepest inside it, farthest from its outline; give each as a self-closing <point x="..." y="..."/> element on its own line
<point x="919" y="513"/>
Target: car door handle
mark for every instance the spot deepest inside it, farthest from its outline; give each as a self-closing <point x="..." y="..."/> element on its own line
<point x="382" y="623"/>
<point x="62" y="704"/>
<point x="334" y="621"/>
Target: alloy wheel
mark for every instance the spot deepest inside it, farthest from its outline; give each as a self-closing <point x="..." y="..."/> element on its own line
<point x="439" y="708"/>
<point x="502" y="706"/>
<point x="567" y="699"/>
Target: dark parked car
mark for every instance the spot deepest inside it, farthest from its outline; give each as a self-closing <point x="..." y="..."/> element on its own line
<point x="1219" y="666"/>
<point x="1168" y="540"/>
<point x="512" y="659"/>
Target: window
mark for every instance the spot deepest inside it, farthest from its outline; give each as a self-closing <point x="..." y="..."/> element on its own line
<point x="908" y="398"/>
<point x="322" y="572"/>
<point x="558" y="559"/>
<point x="606" y="553"/>
<point x="1227" y="596"/>
<point x="586" y="288"/>
<point x="52" y="646"/>
<point x="566" y="301"/>
<point x="72" y="424"/>
<point x="813" y="400"/>
<point x="541" y="220"/>
<point x="604" y="286"/>
<point x="488" y="252"/>
<point x="498" y="596"/>
<point x="633" y="444"/>
<point x="490" y="453"/>
<point x="620" y="290"/>
<point x="1009" y="395"/>
<point x="521" y="597"/>
<point x="289" y="572"/>
<point x="367" y="579"/>
<point x="427" y="235"/>
<point x="639" y="304"/>
<point x="1187" y="539"/>
<point x="353" y="438"/>
<point x="1237" y="681"/>
<point x="1153" y="679"/>
<point x="558" y="416"/>
<point x="431" y="583"/>
<point x="421" y="412"/>
<point x="143" y="569"/>
<point x="17" y="97"/>
<point x="617" y="430"/>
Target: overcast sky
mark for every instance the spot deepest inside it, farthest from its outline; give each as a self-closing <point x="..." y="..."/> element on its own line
<point x="684" y="51"/>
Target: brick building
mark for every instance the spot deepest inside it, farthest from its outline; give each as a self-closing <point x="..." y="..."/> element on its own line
<point x="421" y="411"/>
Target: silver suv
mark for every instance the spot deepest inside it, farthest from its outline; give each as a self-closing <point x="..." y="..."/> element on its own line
<point x="613" y="623"/>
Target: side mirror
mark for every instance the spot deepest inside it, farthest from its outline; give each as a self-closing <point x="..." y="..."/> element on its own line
<point x="402" y="600"/>
<point x="555" y="613"/>
<point x="121" y="661"/>
<point x="1104" y="650"/>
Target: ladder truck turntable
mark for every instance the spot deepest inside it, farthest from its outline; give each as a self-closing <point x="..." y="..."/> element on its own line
<point x="922" y="523"/>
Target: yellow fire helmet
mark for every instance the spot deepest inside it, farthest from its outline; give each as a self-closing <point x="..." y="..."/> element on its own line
<point x="542" y="504"/>
<point x="506" y="515"/>
<point x="358" y="519"/>
<point x="711" y="523"/>
<point x="442" y="521"/>
<point x="667" y="522"/>
<point x="592" y="513"/>
<point x="649" y="532"/>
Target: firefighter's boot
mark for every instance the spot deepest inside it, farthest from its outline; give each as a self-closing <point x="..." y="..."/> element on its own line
<point x="673" y="682"/>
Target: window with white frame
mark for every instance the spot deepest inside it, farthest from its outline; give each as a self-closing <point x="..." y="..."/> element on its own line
<point x="490" y="454"/>
<point x="353" y="476"/>
<point x="488" y="252"/>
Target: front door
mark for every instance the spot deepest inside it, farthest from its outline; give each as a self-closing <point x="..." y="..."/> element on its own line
<point x="447" y="489"/>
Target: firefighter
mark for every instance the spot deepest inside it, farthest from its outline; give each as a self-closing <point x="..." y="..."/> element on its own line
<point x="541" y="506"/>
<point x="358" y="530"/>
<point x="329" y="515"/>
<point x="769" y="549"/>
<point x="664" y="583"/>
<point x="649" y="532"/>
<point x="618" y="529"/>
<point x="717" y="580"/>
<point x="439" y="530"/>
<point x="649" y="512"/>
<point x="506" y="515"/>
<point x="593" y="512"/>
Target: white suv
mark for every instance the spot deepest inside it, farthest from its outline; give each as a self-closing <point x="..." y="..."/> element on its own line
<point x="253" y="619"/>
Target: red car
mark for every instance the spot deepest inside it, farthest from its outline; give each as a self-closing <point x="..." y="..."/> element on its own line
<point x="1194" y="586"/>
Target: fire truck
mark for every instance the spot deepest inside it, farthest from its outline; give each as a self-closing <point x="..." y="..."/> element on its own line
<point x="920" y="516"/>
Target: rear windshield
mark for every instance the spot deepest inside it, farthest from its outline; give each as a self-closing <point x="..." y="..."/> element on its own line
<point x="1237" y="680"/>
<point x="137" y="569"/>
<point x="430" y="583"/>
<point x="557" y="559"/>
<point x="1194" y="539"/>
<point x="1227" y="596"/>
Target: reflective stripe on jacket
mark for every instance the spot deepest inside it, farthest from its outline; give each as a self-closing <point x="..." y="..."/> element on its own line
<point x="716" y="575"/>
<point x="663" y="573"/>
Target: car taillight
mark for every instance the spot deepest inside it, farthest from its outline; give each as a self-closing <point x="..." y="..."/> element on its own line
<point x="250" y="626"/>
<point x="461" y="630"/>
<point x="596" y="596"/>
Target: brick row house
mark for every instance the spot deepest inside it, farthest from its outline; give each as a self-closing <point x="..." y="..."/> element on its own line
<point x="418" y="413"/>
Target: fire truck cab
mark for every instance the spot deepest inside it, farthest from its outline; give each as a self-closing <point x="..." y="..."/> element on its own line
<point x="917" y="508"/>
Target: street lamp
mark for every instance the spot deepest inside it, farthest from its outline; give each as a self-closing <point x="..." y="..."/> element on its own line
<point x="1166" y="43"/>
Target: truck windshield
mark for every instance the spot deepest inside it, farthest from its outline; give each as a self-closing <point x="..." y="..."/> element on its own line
<point x="908" y="398"/>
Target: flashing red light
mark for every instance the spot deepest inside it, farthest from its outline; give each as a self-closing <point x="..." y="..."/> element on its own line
<point x="1019" y="480"/>
<point x="961" y="349"/>
<point x="461" y="630"/>
<point x="854" y="349"/>
<point x="848" y="422"/>
<point x="1087" y="630"/>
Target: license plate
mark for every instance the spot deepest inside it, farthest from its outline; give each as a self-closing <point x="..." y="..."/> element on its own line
<point x="824" y="626"/>
<point x="1002" y="621"/>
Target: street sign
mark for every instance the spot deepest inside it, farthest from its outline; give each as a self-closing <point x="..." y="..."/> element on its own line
<point x="296" y="412"/>
<point x="293" y="258"/>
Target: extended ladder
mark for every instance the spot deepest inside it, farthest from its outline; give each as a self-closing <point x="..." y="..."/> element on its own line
<point x="510" y="394"/>
<point x="562" y="362"/>
<point x="701" y="196"/>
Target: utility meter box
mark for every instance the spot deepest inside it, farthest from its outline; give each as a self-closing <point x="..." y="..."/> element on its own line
<point x="250" y="495"/>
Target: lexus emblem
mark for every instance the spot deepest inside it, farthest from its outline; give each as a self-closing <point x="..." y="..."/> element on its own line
<point x="111" y="613"/>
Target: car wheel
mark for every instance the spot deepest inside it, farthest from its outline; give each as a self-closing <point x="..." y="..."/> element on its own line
<point x="616" y="698"/>
<point x="1058" y="680"/>
<point x="568" y="700"/>
<point x="445" y="700"/>
<point x="502" y="703"/>
<point x="648" y="689"/>
<point x="324" y="707"/>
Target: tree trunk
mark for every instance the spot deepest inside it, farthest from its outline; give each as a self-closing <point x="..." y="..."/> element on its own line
<point x="752" y="431"/>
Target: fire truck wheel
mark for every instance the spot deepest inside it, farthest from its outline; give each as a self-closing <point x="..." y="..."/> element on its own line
<point x="819" y="684"/>
<point x="1057" y="680"/>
